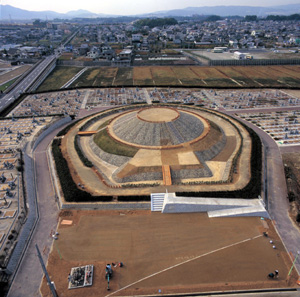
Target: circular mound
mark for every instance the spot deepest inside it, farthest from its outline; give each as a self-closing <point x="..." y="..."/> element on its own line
<point x="158" y="128"/>
<point x="158" y="115"/>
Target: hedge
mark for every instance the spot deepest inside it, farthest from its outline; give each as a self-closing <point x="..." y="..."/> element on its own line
<point x="69" y="188"/>
<point x="81" y="156"/>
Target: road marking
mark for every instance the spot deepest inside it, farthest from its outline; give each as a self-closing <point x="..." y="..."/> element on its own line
<point x="184" y="262"/>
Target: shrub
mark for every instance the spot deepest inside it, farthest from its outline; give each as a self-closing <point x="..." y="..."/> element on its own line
<point x="69" y="188"/>
<point x="80" y="154"/>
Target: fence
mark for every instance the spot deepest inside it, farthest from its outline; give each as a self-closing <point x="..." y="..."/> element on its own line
<point x="260" y="62"/>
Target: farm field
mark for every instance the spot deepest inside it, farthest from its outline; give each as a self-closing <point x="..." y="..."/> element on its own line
<point x="202" y="255"/>
<point x="197" y="76"/>
<point x="58" y="77"/>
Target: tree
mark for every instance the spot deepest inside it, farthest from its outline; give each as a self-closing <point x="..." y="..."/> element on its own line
<point x="250" y="18"/>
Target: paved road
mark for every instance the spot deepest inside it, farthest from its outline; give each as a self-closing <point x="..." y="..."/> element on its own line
<point x="25" y="83"/>
<point x="29" y="275"/>
<point x="277" y="201"/>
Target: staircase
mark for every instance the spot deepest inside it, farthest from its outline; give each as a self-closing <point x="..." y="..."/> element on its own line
<point x="157" y="201"/>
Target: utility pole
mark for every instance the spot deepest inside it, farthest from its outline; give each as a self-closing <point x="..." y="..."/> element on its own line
<point x="51" y="285"/>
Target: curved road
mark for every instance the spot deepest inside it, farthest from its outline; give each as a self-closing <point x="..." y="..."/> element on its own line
<point x="28" y="278"/>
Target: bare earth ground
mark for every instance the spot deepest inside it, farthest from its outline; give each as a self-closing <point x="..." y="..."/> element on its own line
<point x="14" y="73"/>
<point x="84" y="175"/>
<point x="174" y="253"/>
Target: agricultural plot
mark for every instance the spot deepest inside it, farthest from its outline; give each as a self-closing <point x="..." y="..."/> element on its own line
<point x="241" y="78"/>
<point x="106" y="76"/>
<point x="164" y="75"/>
<point x="100" y="77"/>
<point x="292" y="70"/>
<point x="288" y="76"/>
<point x="124" y="77"/>
<point x="212" y="77"/>
<point x="269" y="77"/>
<point x="220" y="76"/>
<point x="187" y="76"/>
<point x="142" y="76"/>
<point x="58" y="77"/>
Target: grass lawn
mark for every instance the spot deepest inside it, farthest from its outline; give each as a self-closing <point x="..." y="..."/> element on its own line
<point x="109" y="145"/>
<point x="6" y="85"/>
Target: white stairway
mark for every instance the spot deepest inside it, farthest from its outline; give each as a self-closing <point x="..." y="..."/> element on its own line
<point x="157" y="201"/>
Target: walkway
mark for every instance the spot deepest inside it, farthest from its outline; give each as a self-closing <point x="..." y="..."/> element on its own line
<point x="28" y="278"/>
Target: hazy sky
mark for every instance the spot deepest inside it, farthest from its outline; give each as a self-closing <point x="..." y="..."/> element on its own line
<point x="128" y="7"/>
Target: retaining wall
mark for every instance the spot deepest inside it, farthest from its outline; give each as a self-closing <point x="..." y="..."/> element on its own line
<point x="51" y="129"/>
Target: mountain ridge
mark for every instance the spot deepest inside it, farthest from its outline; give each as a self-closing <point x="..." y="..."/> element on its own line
<point x="8" y="12"/>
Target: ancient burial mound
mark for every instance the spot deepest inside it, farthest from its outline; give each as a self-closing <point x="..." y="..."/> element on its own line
<point x="157" y="127"/>
<point x="156" y="146"/>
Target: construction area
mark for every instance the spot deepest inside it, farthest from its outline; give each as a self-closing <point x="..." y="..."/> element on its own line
<point x="167" y="253"/>
<point x="164" y="151"/>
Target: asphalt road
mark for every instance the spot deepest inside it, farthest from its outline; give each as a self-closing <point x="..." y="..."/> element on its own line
<point x="25" y="83"/>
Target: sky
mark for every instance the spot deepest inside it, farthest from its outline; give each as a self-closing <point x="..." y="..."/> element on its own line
<point x="131" y="7"/>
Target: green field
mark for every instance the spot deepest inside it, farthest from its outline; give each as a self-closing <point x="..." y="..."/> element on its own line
<point x="7" y="84"/>
<point x="194" y="76"/>
<point x="58" y="77"/>
<point x="109" y="145"/>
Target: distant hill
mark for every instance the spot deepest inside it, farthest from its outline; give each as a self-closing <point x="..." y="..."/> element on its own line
<point x="230" y="10"/>
<point x="8" y="12"/>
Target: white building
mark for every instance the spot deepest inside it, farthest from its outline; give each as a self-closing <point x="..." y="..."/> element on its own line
<point x="239" y="56"/>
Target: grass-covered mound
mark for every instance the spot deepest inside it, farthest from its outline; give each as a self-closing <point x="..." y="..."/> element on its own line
<point x="109" y="145"/>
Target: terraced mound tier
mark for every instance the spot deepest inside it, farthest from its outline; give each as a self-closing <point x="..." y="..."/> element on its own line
<point x="158" y="115"/>
<point x="158" y="128"/>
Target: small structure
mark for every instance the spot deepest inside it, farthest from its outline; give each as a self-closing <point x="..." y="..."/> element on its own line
<point x="81" y="277"/>
<point x="239" y="56"/>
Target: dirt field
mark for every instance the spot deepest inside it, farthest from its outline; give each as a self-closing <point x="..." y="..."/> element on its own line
<point x="233" y="76"/>
<point x="174" y="253"/>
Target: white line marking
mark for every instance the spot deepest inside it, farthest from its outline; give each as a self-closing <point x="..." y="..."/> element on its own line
<point x="184" y="262"/>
